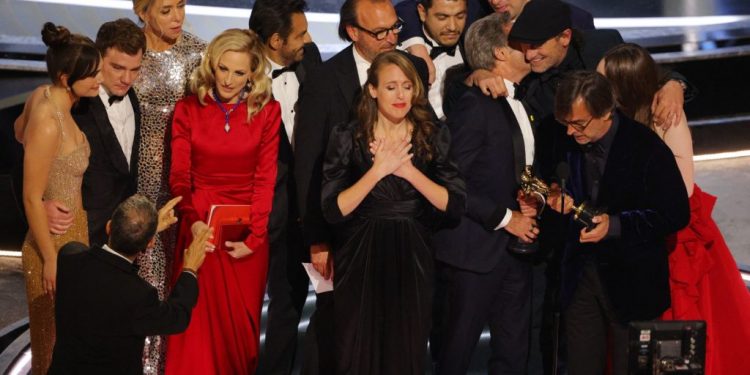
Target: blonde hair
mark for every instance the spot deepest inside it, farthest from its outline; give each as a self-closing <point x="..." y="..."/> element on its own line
<point x="235" y="40"/>
<point x="141" y="6"/>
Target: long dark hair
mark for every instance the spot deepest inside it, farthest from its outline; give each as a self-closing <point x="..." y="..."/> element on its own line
<point x="635" y="79"/>
<point x="419" y="115"/>
<point x="71" y="54"/>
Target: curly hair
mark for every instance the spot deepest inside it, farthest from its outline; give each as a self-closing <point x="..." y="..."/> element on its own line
<point x="419" y="116"/>
<point x="235" y="40"/>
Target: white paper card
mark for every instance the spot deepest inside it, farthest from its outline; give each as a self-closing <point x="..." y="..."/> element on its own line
<point x="320" y="284"/>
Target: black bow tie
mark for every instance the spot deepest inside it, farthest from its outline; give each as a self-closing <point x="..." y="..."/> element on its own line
<point x="115" y="99"/>
<point x="436" y="51"/>
<point x="519" y="92"/>
<point x="277" y="72"/>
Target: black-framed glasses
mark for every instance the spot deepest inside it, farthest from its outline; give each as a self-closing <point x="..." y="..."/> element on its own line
<point x="577" y="125"/>
<point x="383" y="33"/>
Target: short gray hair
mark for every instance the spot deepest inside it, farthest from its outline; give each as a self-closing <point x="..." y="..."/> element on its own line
<point x="483" y="37"/>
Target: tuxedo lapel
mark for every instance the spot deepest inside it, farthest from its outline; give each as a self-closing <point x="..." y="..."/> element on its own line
<point x="348" y="80"/>
<point x="136" y="148"/>
<point x="108" y="137"/>
<point x="617" y="165"/>
<point x="519" y="153"/>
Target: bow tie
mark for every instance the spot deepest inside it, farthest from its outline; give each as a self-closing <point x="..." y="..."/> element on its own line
<point x="115" y="99"/>
<point x="437" y="51"/>
<point x="277" y="72"/>
<point x="519" y="92"/>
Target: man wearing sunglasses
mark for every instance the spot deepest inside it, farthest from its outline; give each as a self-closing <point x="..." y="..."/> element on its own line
<point x="327" y="99"/>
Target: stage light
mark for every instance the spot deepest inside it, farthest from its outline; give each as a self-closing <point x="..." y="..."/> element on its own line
<point x="10" y="253"/>
<point x="190" y="9"/>
<point x="722" y="155"/>
<point x="626" y="23"/>
<point x="22" y="366"/>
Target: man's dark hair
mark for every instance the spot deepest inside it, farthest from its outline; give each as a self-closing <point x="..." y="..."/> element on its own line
<point x="347" y="17"/>
<point x="133" y="225"/>
<point x="269" y="17"/>
<point x="427" y="4"/>
<point x="122" y="34"/>
<point x="592" y="87"/>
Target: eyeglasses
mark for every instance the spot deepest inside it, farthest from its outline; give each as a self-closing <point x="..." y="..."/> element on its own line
<point x="577" y="125"/>
<point x="383" y="33"/>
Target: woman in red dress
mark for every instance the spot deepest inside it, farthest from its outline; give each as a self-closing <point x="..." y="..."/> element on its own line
<point x="224" y="147"/>
<point x="704" y="279"/>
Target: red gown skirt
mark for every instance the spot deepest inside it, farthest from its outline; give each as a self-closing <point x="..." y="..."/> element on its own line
<point x="223" y="335"/>
<point x="706" y="285"/>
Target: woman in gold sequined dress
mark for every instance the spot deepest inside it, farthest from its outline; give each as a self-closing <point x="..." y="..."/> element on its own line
<point x="171" y="56"/>
<point x="56" y="154"/>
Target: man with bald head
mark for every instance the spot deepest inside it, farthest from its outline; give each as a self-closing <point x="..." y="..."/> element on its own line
<point x="327" y="99"/>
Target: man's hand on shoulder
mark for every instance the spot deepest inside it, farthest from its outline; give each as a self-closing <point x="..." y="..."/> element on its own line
<point x="489" y="83"/>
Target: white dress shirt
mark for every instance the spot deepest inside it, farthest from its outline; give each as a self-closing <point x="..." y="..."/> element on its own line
<point x="442" y="63"/>
<point x="122" y="119"/>
<point x="528" y="136"/>
<point x="286" y="92"/>
<point x="362" y="66"/>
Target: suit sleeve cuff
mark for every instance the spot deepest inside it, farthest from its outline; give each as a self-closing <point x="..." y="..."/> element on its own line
<point x="505" y="221"/>
<point x="615" y="228"/>
<point x="190" y="271"/>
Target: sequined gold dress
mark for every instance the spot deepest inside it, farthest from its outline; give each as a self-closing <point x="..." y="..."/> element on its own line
<point x="162" y="82"/>
<point x="63" y="185"/>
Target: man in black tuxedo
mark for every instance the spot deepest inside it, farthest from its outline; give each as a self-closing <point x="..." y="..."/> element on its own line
<point x="111" y="122"/>
<point x="282" y="26"/>
<point x="442" y="26"/>
<point x="327" y="99"/>
<point x="617" y="271"/>
<point x="104" y="310"/>
<point x="479" y="281"/>
<point x="413" y="41"/>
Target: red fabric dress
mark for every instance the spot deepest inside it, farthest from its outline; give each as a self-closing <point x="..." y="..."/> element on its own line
<point x="211" y="166"/>
<point x="706" y="285"/>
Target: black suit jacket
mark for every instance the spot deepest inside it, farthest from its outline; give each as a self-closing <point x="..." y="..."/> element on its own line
<point x="285" y="193"/>
<point x="104" y="311"/>
<point x="328" y="98"/>
<point x="642" y="186"/>
<point x="487" y="145"/>
<point x="109" y="179"/>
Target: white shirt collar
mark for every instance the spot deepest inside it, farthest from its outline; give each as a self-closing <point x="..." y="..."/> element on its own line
<point x="272" y="65"/>
<point x="104" y="95"/>
<point x="109" y="250"/>
<point x="362" y="65"/>
<point x="511" y="87"/>
<point x="430" y="42"/>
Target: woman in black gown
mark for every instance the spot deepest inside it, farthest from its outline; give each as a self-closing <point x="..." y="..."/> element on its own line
<point x="387" y="183"/>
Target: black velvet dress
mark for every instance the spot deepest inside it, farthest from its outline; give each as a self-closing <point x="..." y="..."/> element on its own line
<point x="383" y="258"/>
